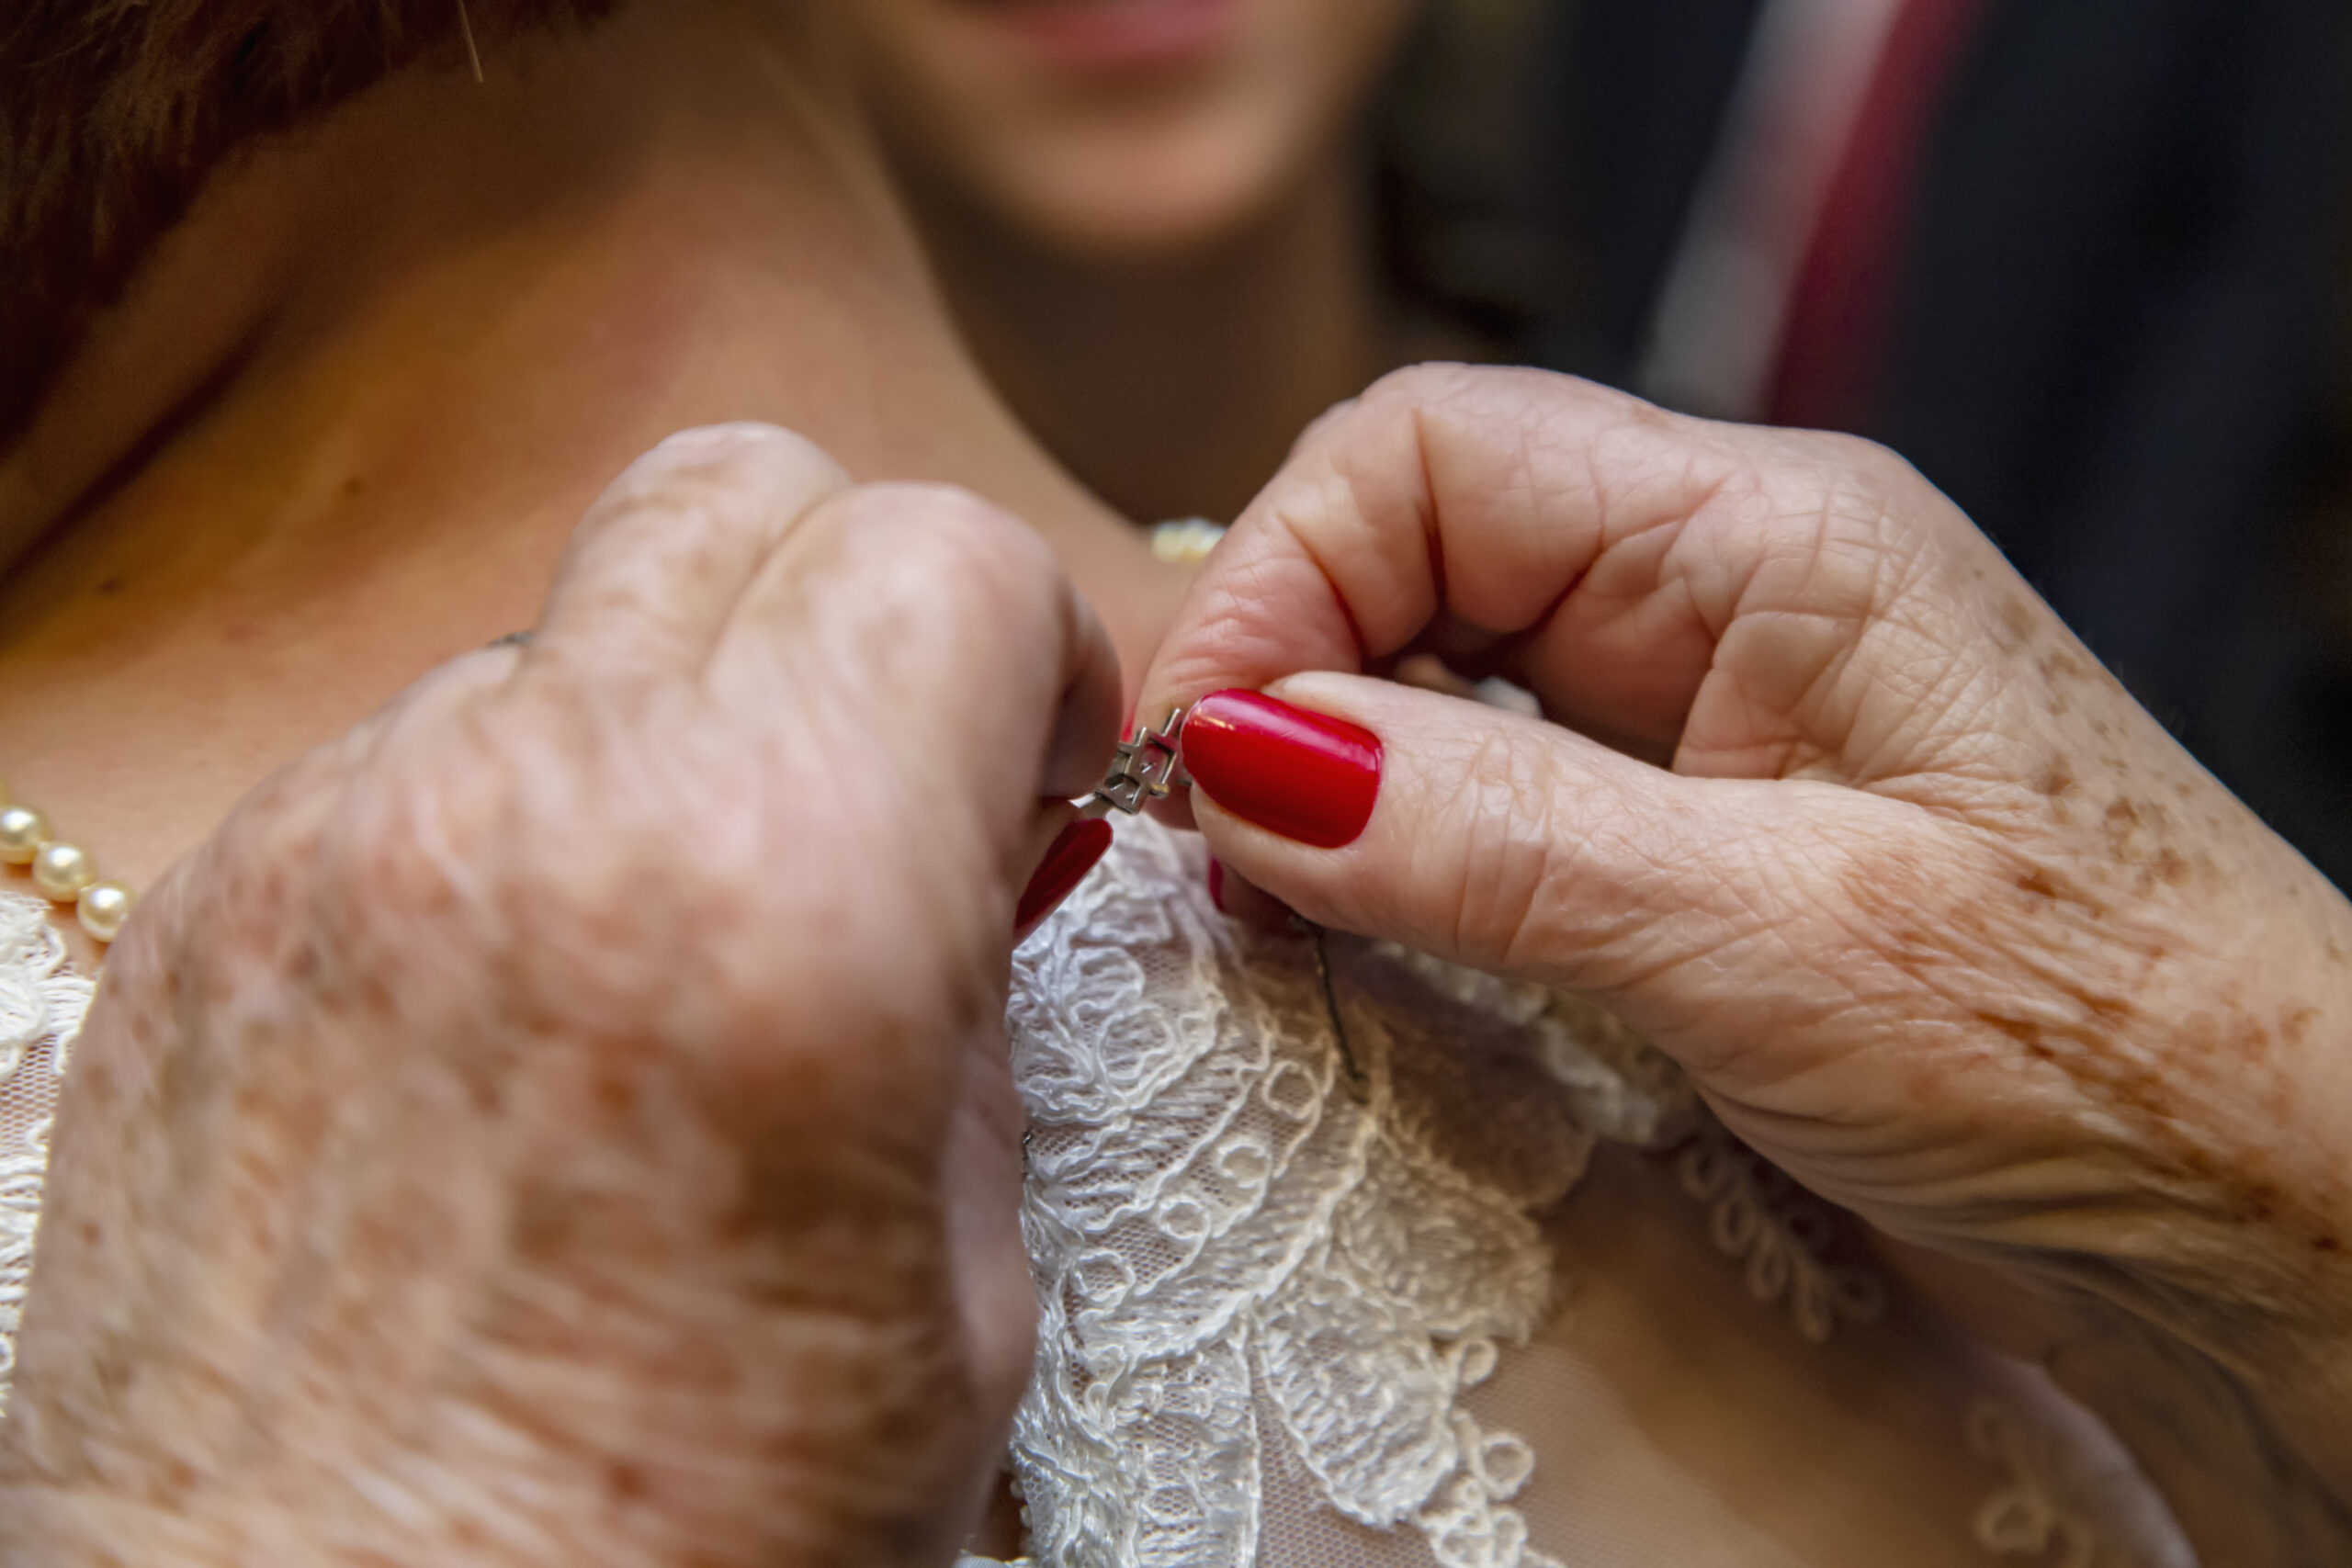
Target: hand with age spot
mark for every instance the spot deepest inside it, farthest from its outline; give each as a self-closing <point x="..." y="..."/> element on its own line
<point x="567" y="1122"/>
<point x="1831" y="806"/>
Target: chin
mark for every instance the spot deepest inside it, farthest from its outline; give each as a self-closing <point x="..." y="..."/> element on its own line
<point x="1145" y="210"/>
<point x="1131" y="230"/>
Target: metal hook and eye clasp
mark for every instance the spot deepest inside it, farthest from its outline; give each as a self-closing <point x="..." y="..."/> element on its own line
<point x="1148" y="766"/>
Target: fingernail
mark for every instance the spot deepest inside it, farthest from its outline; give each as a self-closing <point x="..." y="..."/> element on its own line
<point x="1071" y="856"/>
<point x="1216" y="884"/>
<point x="1305" y="776"/>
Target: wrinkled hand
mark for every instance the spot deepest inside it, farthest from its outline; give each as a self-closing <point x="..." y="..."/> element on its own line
<point x="567" y="1122"/>
<point x="1936" y="915"/>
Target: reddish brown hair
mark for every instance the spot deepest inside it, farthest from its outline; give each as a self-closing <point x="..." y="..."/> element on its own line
<point x="113" y="112"/>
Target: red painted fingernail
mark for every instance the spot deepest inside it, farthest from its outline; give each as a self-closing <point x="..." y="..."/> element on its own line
<point x="1071" y="856"/>
<point x="1305" y="776"/>
<point x="1216" y="884"/>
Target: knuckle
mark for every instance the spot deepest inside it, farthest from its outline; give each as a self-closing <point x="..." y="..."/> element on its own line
<point x="1506" y="392"/>
<point x="747" y="452"/>
<point x="1835" y="523"/>
<point x="1858" y="476"/>
<point x="948" y="515"/>
<point x="718" y="474"/>
<point x="1414" y="384"/>
<point x="979" y="561"/>
<point x="1390" y="407"/>
<point x="1440" y="381"/>
<point x="1832" y="448"/>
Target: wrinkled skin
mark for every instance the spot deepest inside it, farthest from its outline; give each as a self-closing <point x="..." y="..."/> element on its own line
<point x="566" y="1121"/>
<point x="1935" y="914"/>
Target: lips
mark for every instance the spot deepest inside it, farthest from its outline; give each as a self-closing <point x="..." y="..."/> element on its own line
<point x="1114" y="35"/>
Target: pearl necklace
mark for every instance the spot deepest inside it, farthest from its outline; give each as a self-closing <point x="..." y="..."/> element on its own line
<point x="65" y="873"/>
<point x="1185" y="541"/>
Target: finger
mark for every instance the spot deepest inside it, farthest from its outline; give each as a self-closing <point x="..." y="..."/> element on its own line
<point x="432" y="698"/>
<point x="1238" y="898"/>
<point x="1086" y="723"/>
<point x="656" y="566"/>
<point x="948" y="624"/>
<point x="1514" y="845"/>
<point x="1613" y="542"/>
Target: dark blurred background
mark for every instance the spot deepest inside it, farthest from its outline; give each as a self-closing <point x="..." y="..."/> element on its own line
<point x="2083" y="262"/>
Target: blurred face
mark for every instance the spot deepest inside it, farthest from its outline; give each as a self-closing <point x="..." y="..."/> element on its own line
<point x="1122" y="128"/>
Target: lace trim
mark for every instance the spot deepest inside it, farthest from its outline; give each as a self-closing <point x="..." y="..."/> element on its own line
<point x="1760" y="1217"/>
<point x="41" y="1004"/>
<point x="1624" y="1089"/>
<point x="1248" y="1262"/>
<point x="2026" y="1515"/>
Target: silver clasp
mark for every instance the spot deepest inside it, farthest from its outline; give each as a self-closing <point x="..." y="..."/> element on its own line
<point x="1146" y="767"/>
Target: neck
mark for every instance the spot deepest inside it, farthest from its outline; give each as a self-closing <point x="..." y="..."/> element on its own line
<point x="345" y="422"/>
<point x="1174" y="388"/>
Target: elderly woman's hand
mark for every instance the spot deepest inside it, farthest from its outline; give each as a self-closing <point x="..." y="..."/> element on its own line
<point x="566" y="1121"/>
<point x="1936" y="915"/>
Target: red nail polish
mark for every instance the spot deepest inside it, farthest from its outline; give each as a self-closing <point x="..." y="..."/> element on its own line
<point x="1216" y="884"/>
<point x="1071" y="856"/>
<point x="1305" y="776"/>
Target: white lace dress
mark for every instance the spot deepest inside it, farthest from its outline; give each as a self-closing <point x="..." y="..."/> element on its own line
<point x="41" y="1003"/>
<point x="1466" y="1281"/>
<point x="1418" y="1267"/>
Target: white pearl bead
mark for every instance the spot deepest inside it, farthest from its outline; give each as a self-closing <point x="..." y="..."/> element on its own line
<point x="103" y="906"/>
<point x="61" y="871"/>
<point x="23" y="831"/>
<point x="1186" y="541"/>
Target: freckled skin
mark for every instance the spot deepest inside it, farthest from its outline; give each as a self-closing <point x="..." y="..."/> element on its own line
<point x="453" y="1170"/>
<point x="2020" y="620"/>
<point x="1939" y="918"/>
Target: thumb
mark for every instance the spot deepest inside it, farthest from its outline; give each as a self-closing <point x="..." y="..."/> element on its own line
<point x="1514" y="845"/>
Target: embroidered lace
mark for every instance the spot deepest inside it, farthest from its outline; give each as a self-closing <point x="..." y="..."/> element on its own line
<point x="1277" y="1253"/>
<point x="42" y="1002"/>
<point x="1260" y="1252"/>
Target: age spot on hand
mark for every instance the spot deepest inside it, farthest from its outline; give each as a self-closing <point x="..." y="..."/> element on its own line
<point x="2018" y="623"/>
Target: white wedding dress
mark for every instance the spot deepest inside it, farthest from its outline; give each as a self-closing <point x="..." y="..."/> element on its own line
<point x="1426" y="1268"/>
<point x="1388" y="1263"/>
